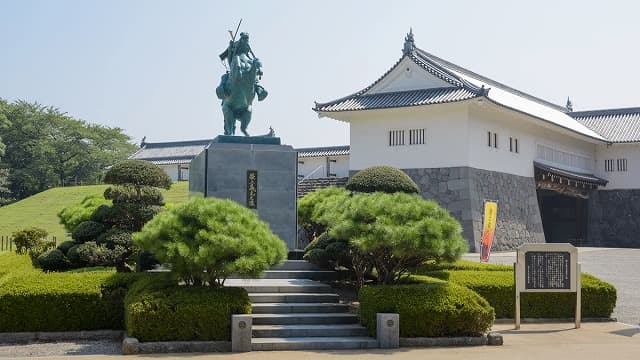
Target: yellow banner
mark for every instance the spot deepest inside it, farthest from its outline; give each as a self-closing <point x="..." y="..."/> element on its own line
<point x="488" y="228"/>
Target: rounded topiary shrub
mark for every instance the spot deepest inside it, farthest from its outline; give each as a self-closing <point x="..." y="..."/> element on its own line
<point x="432" y="309"/>
<point x="207" y="239"/>
<point x="382" y="178"/>
<point x="66" y="245"/>
<point x="137" y="173"/>
<point x="53" y="260"/>
<point x="87" y="231"/>
<point x="115" y="237"/>
<point x="29" y="240"/>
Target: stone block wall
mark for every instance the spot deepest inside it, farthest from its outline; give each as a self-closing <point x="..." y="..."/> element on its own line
<point x="614" y="218"/>
<point x="462" y="191"/>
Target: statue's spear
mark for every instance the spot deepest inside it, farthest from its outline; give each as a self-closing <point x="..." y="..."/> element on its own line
<point x="233" y="36"/>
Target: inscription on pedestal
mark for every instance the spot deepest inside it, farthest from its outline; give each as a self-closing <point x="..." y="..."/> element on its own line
<point x="252" y="189"/>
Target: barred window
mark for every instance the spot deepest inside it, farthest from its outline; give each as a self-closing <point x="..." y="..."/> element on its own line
<point x="416" y="137"/>
<point x="493" y="139"/>
<point x="608" y="165"/>
<point x="396" y="137"/>
<point x="622" y="164"/>
<point x="513" y="145"/>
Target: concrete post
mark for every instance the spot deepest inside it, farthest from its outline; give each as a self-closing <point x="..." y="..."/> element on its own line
<point x="241" y="332"/>
<point x="388" y="330"/>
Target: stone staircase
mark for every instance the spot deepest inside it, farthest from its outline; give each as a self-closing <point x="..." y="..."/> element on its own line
<point x="294" y="311"/>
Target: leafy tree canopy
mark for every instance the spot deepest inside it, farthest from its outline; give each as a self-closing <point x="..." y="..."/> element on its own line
<point x="207" y="239"/>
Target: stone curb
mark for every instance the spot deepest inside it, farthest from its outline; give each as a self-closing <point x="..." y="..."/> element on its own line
<point x="131" y="346"/>
<point x="553" y="320"/>
<point x="489" y="339"/>
<point x="22" y="337"/>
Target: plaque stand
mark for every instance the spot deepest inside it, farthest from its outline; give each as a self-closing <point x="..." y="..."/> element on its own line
<point x="536" y="275"/>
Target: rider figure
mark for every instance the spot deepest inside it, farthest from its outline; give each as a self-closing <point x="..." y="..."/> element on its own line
<point x="241" y="52"/>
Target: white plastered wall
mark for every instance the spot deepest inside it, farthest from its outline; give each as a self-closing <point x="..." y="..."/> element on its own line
<point x="485" y="117"/>
<point x="407" y="76"/>
<point x="171" y="170"/>
<point x="446" y="133"/>
<point x="629" y="179"/>
<point x="316" y="166"/>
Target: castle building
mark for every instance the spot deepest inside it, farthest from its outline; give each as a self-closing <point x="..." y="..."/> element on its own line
<point x="558" y="175"/>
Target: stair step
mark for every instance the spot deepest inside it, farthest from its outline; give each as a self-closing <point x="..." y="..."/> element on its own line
<point x="279" y="285"/>
<point x="293" y="298"/>
<point x="280" y="308"/>
<point x="283" y="331"/>
<point x="313" y="343"/>
<point x="324" y="275"/>
<point x="296" y="265"/>
<point x="304" y="319"/>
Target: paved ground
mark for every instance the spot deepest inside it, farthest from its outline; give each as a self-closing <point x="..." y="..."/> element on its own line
<point x="620" y="267"/>
<point x="534" y="341"/>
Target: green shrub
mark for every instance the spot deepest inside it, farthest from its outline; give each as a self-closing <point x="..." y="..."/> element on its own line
<point x="127" y="193"/>
<point x="431" y="309"/>
<point x="161" y="311"/>
<point x="316" y="208"/>
<point x="461" y="265"/>
<point x="66" y="245"/>
<point x="87" y="231"/>
<point x="397" y="232"/>
<point x="91" y="254"/>
<point x="208" y="239"/>
<point x="72" y="216"/>
<point x="382" y="178"/>
<point x="53" y="260"/>
<point x="31" y="241"/>
<point x="31" y="300"/>
<point x="138" y="173"/>
<point x="598" y="297"/>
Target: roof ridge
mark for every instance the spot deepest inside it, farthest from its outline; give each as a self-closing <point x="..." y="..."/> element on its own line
<point x="603" y="112"/>
<point x="490" y="81"/>
<point x="181" y="142"/>
<point x="323" y="147"/>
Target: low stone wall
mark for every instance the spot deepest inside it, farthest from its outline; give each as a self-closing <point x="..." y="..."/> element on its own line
<point x="614" y="218"/>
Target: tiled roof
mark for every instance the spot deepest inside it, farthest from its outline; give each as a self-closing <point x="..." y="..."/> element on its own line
<point x="575" y="176"/>
<point x="308" y="185"/>
<point x="465" y="85"/>
<point x="323" y="151"/>
<point x="397" y="99"/>
<point x="170" y="152"/>
<point x="616" y="125"/>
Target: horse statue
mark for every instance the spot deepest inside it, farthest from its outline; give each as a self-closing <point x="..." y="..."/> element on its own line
<point x="239" y="85"/>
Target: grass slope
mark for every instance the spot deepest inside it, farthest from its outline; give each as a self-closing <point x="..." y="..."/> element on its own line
<point x="40" y="210"/>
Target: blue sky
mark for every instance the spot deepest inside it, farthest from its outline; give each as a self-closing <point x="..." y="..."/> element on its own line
<point x="151" y="67"/>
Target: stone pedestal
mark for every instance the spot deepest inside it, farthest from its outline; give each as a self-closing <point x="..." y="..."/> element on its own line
<point x="256" y="172"/>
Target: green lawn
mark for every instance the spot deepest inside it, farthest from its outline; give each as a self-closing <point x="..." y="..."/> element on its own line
<point x="40" y="210"/>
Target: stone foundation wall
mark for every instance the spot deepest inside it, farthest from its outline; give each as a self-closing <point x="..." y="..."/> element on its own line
<point x="614" y="218"/>
<point x="462" y="190"/>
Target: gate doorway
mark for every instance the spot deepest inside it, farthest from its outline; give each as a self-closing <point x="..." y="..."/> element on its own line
<point x="563" y="198"/>
<point x="564" y="217"/>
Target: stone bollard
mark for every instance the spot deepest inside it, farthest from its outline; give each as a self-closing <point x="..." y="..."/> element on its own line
<point x="388" y="330"/>
<point x="241" y="332"/>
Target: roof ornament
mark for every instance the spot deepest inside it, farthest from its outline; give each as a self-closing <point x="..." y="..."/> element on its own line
<point x="569" y="104"/>
<point x="143" y="142"/>
<point x="409" y="44"/>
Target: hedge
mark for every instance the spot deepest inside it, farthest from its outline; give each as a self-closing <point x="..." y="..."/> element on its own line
<point x="161" y="311"/>
<point x="461" y="265"/>
<point x="497" y="287"/>
<point x="432" y="308"/>
<point x="31" y="300"/>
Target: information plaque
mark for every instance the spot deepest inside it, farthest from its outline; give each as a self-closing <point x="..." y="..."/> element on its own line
<point x="547" y="268"/>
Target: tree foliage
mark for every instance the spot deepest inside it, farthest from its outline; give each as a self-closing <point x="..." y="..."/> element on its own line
<point x="382" y="178"/>
<point x="207" y="239"/>
<point x="46" y="147"/>
<point x="72" y="216"/>
<point x="388" y="233"/>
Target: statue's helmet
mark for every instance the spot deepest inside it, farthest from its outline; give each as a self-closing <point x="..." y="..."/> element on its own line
<point x="244" y="36"/>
